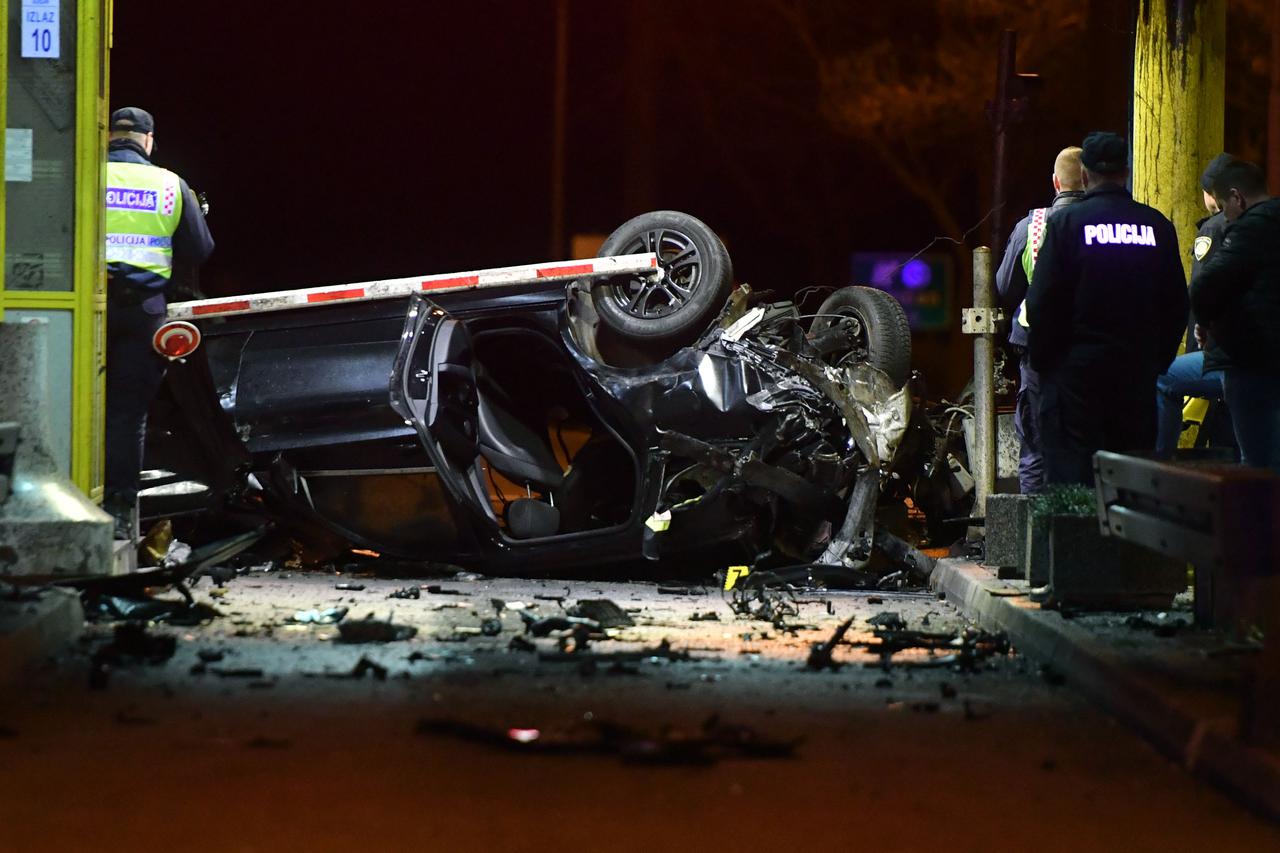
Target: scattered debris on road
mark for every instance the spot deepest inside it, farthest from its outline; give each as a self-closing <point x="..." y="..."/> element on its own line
<point x="963" y="650"/>
<point x="888" y="620"/>
<point x="545" y="626"/>
<point x="371" y="630"/>
<point x="580" y="652"/>
<point x="714" y="741"/>
<point x="331" y="616"/>
<point x="130" y="643"/>
<point x="147" y="609"/>
<point x="602" y="611"/>
<point x="820" y="654"/>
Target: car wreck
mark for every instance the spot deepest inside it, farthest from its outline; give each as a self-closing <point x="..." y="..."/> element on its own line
<point x="523" y="428"/>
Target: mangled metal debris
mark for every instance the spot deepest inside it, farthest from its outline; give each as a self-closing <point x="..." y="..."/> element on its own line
<point x="963" y="650"/>
<point x="765" y="603"/>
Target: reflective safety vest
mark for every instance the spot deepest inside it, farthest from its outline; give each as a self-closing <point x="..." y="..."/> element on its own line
<point x="144" y="207"/>
<point x="1035" y="239"/>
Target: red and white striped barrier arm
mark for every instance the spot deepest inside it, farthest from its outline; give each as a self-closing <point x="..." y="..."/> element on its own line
<point x="284" y="300"/>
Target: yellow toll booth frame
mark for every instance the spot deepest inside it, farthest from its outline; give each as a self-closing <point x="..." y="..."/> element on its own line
<point x="87" y="300"/>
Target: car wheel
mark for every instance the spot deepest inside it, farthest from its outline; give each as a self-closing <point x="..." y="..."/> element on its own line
<point x="696" y="277"/>
<point x="876" y="329"/>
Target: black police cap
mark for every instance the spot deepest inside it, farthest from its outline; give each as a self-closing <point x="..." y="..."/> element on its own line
<point x="1211" y="171"/>
<point x="1104" y="153"/>
<point x="133" y="119"/>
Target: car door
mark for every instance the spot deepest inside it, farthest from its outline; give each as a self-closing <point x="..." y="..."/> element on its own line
<point x="433" y="387"/>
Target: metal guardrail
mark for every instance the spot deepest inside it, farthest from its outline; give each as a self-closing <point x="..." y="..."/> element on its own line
<point x="1225" y="521"/>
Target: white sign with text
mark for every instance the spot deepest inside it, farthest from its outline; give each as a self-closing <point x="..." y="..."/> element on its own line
<point x="40" y="29"/>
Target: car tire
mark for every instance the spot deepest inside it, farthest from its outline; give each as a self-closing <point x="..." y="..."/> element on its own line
<point x="885" y="333"/>
<point x="696" y="282"/>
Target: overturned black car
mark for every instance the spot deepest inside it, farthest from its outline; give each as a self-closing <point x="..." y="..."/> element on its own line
<point x="520" y="426"/>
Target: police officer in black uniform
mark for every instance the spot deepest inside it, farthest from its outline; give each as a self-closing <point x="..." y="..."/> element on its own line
<point x="1107" y="307"/>
<point x="136" y="292"/>
<point x="1197" y="372"/>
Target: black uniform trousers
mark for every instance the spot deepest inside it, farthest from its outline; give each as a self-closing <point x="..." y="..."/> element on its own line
<point x="134" y="374"/>
<point x="1089" y="403"/>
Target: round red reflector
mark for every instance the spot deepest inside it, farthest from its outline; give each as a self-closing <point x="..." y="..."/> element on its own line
<point x="176" y="339"/>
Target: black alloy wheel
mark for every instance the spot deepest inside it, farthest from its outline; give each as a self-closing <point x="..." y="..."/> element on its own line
<point x="692" y="284"/>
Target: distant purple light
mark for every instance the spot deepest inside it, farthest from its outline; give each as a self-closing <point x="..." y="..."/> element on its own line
<point x="916" y="274"/>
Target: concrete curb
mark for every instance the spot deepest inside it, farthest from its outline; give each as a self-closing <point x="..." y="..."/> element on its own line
<point x="1206" y="747"/>
<point x="31" y="630"/>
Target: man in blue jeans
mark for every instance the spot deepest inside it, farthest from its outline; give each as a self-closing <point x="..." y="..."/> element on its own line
<point x="1237" y="303"/>
<point x="1197" y="372"/>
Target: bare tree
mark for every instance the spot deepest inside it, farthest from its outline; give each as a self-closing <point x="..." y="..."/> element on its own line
<point x="914" y="96"/>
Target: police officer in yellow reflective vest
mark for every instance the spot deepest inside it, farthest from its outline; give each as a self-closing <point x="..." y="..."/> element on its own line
<point x="152" y="218"/>
<point x="1012" y="278"/>
<point x="1107" y="307"/>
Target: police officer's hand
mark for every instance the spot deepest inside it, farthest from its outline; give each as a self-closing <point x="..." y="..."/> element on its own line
<point x="1201" y="334"/>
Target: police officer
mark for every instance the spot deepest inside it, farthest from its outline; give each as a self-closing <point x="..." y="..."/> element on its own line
<point x="152" y="219"/>
<point x="1107" y="306"/>
<point x="1011" y="283"/>
<point x="1237" y="299"/>
<point x="1197" y="372"/>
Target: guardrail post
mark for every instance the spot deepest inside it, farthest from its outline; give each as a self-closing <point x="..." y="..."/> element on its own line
<point x="982" y="321"/>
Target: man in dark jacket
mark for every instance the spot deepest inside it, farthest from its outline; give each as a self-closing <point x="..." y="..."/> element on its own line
<point x="1016" y="268"/>
<point x="1237" y="301"/>
<point x="1197" y="372"/>
<point x="1107" y="307"/>
<point x="154" y="223"/>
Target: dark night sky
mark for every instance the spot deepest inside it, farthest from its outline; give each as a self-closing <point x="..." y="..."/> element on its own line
<point x="394" y="139"/>
<point x="416" y="138"/>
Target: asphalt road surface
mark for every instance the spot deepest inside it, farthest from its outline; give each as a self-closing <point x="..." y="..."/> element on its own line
<point x="722" y="739"/>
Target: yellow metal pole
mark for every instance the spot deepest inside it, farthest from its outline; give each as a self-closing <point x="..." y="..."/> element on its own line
<point x="90" y="227"/>
<point x="1179" y="69"/>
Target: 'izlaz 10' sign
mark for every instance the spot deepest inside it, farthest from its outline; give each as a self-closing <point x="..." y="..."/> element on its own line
<point x="40" y="29"/>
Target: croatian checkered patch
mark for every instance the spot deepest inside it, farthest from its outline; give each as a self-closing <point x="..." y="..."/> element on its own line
<point x="1035" y="231"/>
<point x="169" y="199"/>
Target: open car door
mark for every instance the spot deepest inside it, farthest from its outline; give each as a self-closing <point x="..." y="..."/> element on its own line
<point x="433" y="387"/>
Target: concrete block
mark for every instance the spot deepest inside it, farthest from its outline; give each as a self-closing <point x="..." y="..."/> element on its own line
<point x="1006" y="531"/>
<point x="1089" y="570"/>
<point x="1008" y="449"/>
<point x="47" y="526"/>
<point x="1035" y="560"/>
